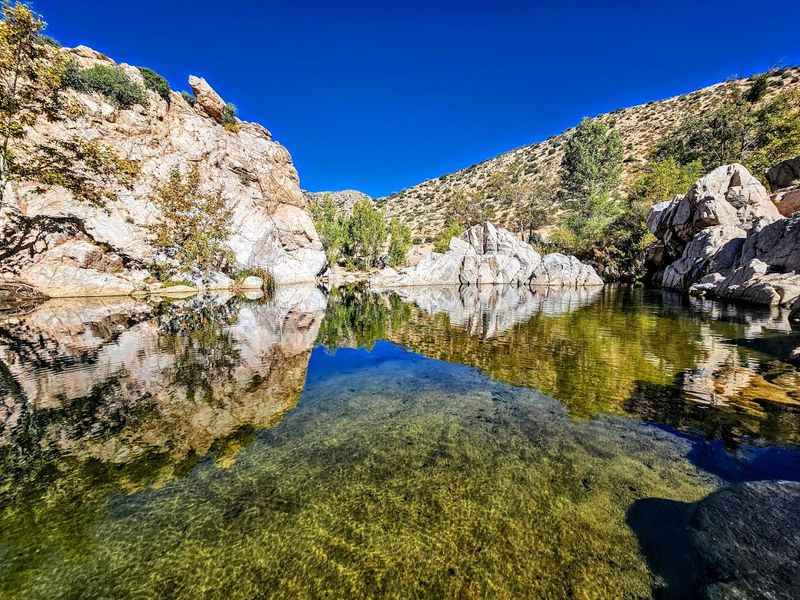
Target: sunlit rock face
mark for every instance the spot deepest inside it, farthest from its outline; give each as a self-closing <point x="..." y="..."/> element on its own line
<point x="726" y="238"/>
<point x="486" y="254"/>
<point x="170" y="381"/>
<point x="109" y="250"/>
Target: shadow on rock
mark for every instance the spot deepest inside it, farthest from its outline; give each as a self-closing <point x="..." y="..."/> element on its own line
<point x="742" y="541"/>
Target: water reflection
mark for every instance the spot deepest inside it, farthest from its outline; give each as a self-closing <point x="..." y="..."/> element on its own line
<point x="120" y="381"/>
<point x="313" y="445"/>
<point x="614" y="351"/>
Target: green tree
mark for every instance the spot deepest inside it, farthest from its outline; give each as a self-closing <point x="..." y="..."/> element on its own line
<point x="332" y="227"/>
<point x="592" y="163"/>
<point x="584" y="227"/>
<point x="451" y="229"/>
<point x="367" y="233"/>
<point x="194" y="226"/>
<point x="399" y="242"/>
<point x="664" y="179"/>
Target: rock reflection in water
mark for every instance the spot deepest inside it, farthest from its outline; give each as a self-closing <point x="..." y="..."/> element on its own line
<point x="116" y="380"/>
<point x="615" y="351"/>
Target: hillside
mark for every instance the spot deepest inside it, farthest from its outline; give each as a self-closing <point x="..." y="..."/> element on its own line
<point x="424" y="206"/>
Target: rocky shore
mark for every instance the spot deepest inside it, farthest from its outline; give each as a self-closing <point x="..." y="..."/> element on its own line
<point x="727" y="238"/>
<point x="486" y="254"/>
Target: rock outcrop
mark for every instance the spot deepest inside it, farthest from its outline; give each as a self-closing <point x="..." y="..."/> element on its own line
<point x="486" y="254"/>
<point x="344" y="200"/>
<point x="747" y="541"/>
<point x="726" y="238"/>
<point x="109" y="250"/>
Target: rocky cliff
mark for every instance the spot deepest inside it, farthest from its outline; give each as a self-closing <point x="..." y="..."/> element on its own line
<point x="424" y="206"/>
<point x="726" y="237"/>
<point x="109" y="250"/>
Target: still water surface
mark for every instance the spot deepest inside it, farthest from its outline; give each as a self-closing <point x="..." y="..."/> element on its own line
<point x="433" y="442"/>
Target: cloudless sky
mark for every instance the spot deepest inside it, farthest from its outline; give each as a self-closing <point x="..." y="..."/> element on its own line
<point x="379" y="96"/>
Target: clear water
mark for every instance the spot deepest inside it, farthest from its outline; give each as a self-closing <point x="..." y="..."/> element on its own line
<point x="473" y="443"/>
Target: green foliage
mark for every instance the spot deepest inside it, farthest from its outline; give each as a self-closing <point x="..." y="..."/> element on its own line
<point x="332" y="227"/>
<point x="757" y="135"/>
<point x="155" y="82"/>
<point x="367" y="234"/>
<point x="190" y="98"/>
<point x="110" y="81"/>
<point x="242" y="274"/>
<point x="535" y="205"/>
<point x="778" y="133"/>
<point x="586" y="225"/>
<point x="229" y="120"/>
<point x="399" y="243"/>
<point x="451" y="229"/>
<point x="194" y="225"/>
<point x="758" y="88"/>
<point x="592" y="163"/>
<point x="664" y="179"/>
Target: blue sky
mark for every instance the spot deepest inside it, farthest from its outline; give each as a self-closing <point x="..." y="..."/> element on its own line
<point x="380" y="96"/>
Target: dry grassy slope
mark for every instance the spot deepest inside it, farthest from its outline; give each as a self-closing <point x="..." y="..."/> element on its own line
<point x="423" y="206"/>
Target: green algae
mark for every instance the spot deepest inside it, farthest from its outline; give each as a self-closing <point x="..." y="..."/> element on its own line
<point x="409" y="479"/>
<point x="394" y="475"/>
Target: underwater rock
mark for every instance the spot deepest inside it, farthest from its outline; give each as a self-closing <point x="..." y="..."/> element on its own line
<point x="747" y="539"/>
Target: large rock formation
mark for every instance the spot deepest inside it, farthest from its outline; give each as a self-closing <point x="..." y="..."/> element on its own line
<point x="108" y="251"/>
<point x="486" y="254"/>
<point x="726" y="238"/>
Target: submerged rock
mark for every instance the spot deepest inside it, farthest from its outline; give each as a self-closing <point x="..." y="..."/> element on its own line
<point x="747" y="540"/>
<point x="486" y="254"/>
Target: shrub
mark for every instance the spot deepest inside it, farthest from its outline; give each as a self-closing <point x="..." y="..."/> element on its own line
<point x="194" y="226"/>
<point x="189" y="98"/>
<point x="229" y="120"/>
<point x="155" y="82"/>
<point x="399" y="243"/>
<point x="663" y="180"/>
<point x="112" y="82"/>
<point x="451" y="229"/>
<point x="367" y="233"/>
<point x="331" y="227"/>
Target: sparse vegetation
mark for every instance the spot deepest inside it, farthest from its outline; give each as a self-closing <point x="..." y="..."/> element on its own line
<point x="32" y="78"/>
<point x="155" y="82"/>
<point x="451" y="229"/>
<point x="399" y="243"/>
<point x="194" y="227"/>
<point x="229" y="120"/>
<point x="110" y="81"/>
<point x="189" y="98"/>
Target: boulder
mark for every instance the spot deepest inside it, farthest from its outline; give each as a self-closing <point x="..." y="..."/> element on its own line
<point x="753" y="256"/>
<point x="713" y="250"/>
<point x="207" y="98"/>
<point x="486" y="254"/>
<point x="564" y="271"/>
<point x="784" y="174"/>
<point x="788" y="202"/>
<point x="728" y="195"/>
<point x="746" y="539"/>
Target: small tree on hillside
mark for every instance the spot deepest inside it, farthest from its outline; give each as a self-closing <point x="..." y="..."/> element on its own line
<point x="367" y="234"/>
<point x="399" y="242"/>
<point x="592" y="163"/>
<point x="194" y="226"/>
